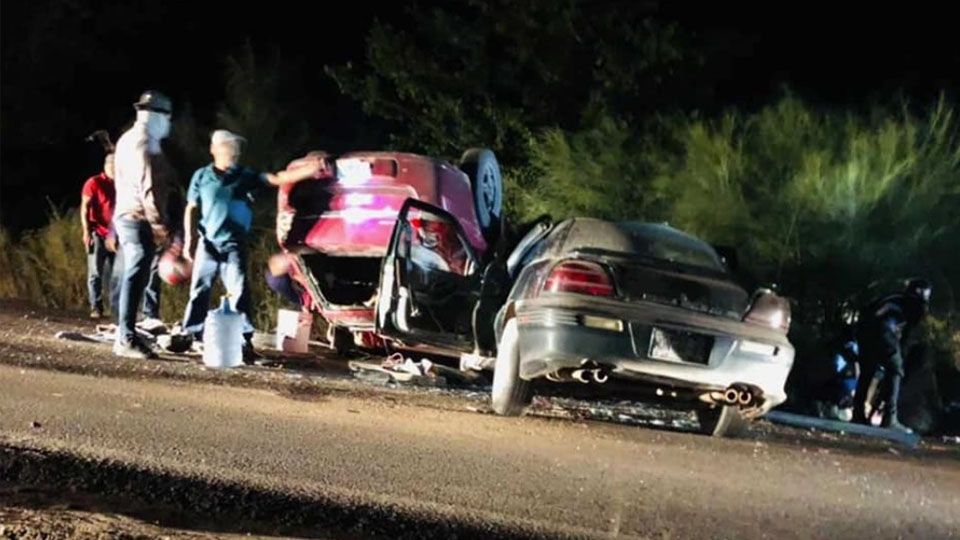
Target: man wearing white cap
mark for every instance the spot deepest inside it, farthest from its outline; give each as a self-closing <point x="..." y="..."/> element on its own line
<point x="221" y="193"/>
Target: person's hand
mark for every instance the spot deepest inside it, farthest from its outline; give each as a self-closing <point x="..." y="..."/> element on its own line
<point x="111" y="243"/>
<point x="315" y="166"/>
<point x="86" y="239"/>
<point x="161" y="236"/>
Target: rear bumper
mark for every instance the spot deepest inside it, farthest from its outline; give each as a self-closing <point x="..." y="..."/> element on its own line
<point x="556" y="338"/>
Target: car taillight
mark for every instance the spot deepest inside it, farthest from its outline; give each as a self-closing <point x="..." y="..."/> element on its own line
<point x="579" y="277"/>
<point x="768" y="309"/>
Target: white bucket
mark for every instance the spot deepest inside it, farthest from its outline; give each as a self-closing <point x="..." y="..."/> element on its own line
<point x="293" y="331"/>
<point x="223" y="337"/>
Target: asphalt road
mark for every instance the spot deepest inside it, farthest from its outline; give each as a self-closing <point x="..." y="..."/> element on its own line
<point x="216" y="458"/>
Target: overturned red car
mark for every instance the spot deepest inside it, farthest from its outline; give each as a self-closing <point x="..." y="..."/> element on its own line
<point x="337" y="227"/>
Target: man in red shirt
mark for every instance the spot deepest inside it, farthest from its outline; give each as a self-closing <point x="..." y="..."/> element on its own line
<point x="96" y="216"/>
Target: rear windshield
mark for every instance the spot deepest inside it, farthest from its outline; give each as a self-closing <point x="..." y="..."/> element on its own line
<point x="665" y="244"/>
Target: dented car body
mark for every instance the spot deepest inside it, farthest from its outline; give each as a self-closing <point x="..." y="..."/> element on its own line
<point x="338" y="226"/>
<point x="588" y="301"/>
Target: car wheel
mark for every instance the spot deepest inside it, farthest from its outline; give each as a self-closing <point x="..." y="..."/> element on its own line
<point x="510" y="394"/>
<point x="481" y="166"/>
<point x="721" y="421"/>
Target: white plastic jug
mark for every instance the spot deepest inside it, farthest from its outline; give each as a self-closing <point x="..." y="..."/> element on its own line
<point x="223" y="337"/>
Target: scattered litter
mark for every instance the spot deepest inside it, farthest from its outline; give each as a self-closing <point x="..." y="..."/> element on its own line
<point x="177" y="343"/>
<point x="951" y="440"/>
<point x="79" y="336"/>
<point x="397" y="369"/>
<point x="396" y="362"/>
<point x="893" y="451"/>
<point x="153" y="326"/>
<point x="353" y="411"/>
<point x="35" y="425"/>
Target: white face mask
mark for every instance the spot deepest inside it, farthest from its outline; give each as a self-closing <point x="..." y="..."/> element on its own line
<point x="158" y="124"/>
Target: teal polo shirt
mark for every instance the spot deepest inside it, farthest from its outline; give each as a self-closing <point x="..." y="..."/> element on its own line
<point x="225" y="202"/>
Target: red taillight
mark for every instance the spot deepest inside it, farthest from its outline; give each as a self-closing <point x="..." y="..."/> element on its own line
<point x="579" y="277"/>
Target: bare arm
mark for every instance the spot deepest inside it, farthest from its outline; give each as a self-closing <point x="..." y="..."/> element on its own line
<point x="84" y="206"/>
<point x="296" y="175"/>
<point x="189" y="230"/>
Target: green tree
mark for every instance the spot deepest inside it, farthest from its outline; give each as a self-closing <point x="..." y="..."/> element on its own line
<point x="493" y="74"/>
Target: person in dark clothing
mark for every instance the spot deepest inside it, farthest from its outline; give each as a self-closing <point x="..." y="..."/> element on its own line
<point x="277" y="276"/>
<point x="882" y="330"/>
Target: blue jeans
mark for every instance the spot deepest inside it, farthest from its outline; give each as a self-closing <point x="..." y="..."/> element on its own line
<point x="102" y="265"/>
<point x="231" y="265"/>
<point x="151" y="295"/>
<point x="140" y="278"/>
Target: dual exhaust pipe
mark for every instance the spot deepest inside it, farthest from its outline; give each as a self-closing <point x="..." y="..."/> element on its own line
<point x="585" y="376"/>
<point x="581" y="375"/>
<point x="733" y="396"/>
<point x="736" y="394"/>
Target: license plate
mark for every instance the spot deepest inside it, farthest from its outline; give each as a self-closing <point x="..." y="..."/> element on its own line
<point x="680" y="346"/>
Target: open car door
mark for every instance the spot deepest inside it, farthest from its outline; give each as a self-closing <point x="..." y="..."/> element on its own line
<point x="429" y="282"/>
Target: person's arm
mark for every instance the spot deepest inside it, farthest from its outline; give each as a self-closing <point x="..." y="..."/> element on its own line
<point x="311" y="168"/>
<point x="84" y="206"/>
<point x="153" y="192"/>
<point x="85" y="196"/>
<point x="190" y="217"/>
<point x="189" y="230"/>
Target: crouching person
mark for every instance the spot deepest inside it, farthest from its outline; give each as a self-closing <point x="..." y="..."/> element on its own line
<point x="221" y="193"/>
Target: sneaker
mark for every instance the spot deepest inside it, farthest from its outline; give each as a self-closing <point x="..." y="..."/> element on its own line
<point x="133" y="349"/>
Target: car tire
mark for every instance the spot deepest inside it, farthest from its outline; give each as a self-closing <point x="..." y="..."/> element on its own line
<point x="510" y="394"/>
<point x="486" y="183"/>
<point x="721" y="421"/>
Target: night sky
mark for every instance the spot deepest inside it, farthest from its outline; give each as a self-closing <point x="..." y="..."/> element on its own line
<point x="70" y="67"/>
